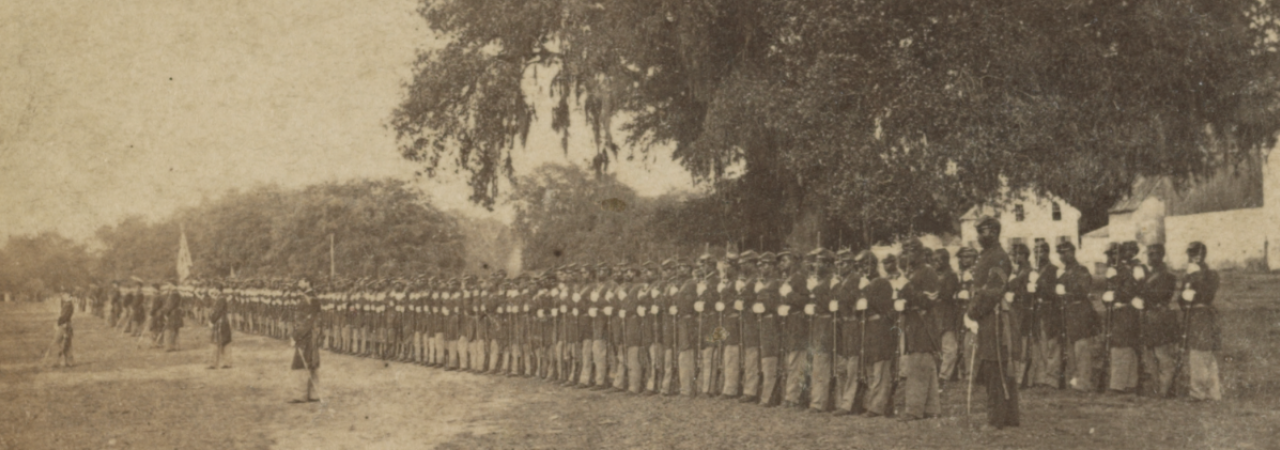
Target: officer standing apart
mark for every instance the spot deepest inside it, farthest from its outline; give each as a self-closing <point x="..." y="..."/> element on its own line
<point x="986" y="318"/>
<point x="221" y="325"/>
<point x="306" y="349"/>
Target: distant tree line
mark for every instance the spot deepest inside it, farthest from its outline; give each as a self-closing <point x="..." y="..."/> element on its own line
<point x="381" y="228"/>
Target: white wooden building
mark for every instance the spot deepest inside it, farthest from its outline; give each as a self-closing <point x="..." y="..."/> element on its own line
<point x="1027" y="218"/>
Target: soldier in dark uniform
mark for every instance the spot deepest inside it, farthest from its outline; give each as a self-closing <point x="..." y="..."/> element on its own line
<point x="730" y="325"/>
<point x="708" y="321"/>
<point x="1080" y="318"/>
<point x="879" y="339"/>
<point x="547" y="312"/>
<point x="767" y="306"/>
<point x="1203" y="335"/>
<point x="649" y="308"/>
<point x="615" y="316"/>
<point x="1020" y="306"/>
<point x="684" y="300"/>
<point x="987" y="317"/>
<point x="220" y="325"/>
<point x="155" y="315"/>
<point x="1122" y="289"/>
<point x="306" y="344"/>
<point x="750" y="312"/>
<point x="947" y="316"/>
<point x="820" y="311"/>
<point x="792" y="296"/>
<point x="1160" y="323"/>
<point x="1046" y="322"/>
<point x="63" y="332"/>
<point x="173" y="320"/>
<point x="595" y="345"/>
<point x="845" y="295"/>
<point x="668" y="316"/>
<point x="968" y="258"/>
<point x="917" y="301"/>
<point x="500" y="295"/>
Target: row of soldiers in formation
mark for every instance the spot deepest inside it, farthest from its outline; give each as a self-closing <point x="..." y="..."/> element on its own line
<point x="823" y="331"/>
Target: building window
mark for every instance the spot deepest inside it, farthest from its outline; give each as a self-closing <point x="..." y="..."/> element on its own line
<point x="1057" y="212"/>
<point x="1018" y="214"/>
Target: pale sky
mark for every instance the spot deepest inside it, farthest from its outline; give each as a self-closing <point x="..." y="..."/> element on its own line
<point x="112" y="108"/>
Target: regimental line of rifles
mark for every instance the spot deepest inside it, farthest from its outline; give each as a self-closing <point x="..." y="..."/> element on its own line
<point x="839" y="332"/>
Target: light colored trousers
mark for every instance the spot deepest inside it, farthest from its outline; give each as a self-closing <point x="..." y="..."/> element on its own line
<point x="797" y="368"/>
<point x="309" y="382"/>
<point x="1158" y="363"/>
<point x="619" y="372"/>
<point x="1205" y="384"/>
<point x="921" y="396"/>
<point x="706" y="375"/>
<point x="732" y="370"/>
<point x="821" y="388"/>
<point x="600" y="358"/>
<point x="879" y="387"/>
<point x="950" y="355"/>
<point x="668" y="369"/>
<point x="687" y="371"/>
<point x="769" y="371"/>
<point x="1124" y="369"/>
<point x="849" y="384"/>
<point x="1081" y="365"/>
<point x="751" y="371"/>
<point x="633" y="368"/>
<point x="1046" y="362"/>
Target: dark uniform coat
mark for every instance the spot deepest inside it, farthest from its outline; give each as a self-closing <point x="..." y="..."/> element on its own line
<point x="995" y="331"/>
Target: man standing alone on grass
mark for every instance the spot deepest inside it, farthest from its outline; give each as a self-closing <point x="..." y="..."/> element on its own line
<point x="63" y="331"/>
<point x="221" y="325"/>
<point x="306" y="351"/>
<point x="988" y="319"/>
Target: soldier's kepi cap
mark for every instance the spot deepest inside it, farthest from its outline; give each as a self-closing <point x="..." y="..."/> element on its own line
<point x="670" y="263"/>
<point x="890" y="260"/>
<point x="988" y="222"/>
<point x="785" y="254"/>
<point x="866" y="257"/>
<point x="748" y="257"/>
<point x="845" y="254"/>
<point x="822" y="254"/>
<point x="966" y="252"/>
<point x="1065" y="245"/>
<point x="768" y="258"/>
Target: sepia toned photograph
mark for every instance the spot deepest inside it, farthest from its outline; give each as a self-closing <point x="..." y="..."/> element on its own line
<point x="640" y="224"/>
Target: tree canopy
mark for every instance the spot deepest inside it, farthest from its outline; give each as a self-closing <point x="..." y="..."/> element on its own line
<point x="37" y="264"/>
<point x="381" y="228"/>
<point x="878" y="118"/>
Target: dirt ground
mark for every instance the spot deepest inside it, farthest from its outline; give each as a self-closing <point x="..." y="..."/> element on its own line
<point x="120" y="396"/>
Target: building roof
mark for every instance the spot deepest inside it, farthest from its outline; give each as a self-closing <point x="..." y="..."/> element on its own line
<point x="1225" y="190"/>
<point x="1101" y="233"/>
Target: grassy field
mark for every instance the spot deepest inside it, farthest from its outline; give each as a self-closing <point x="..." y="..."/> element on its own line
<point x="123" y="396"/>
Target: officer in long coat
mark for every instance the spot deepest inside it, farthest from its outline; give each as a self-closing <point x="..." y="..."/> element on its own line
<point x="306" y="346"/>
<point x="988" y="317"/>
<point x="220" y="328"/>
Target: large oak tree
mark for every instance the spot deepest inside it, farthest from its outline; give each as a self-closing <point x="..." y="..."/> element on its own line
<point x="875" y="118"/>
